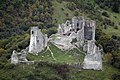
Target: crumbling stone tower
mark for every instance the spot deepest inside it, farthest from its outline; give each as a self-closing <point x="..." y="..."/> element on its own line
<point x="89" y="30"/>
<point x="37" y="41"/>
<point x="78" y="24"/>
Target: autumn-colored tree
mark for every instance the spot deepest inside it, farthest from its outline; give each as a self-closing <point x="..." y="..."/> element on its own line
<point x="2" y="51"/>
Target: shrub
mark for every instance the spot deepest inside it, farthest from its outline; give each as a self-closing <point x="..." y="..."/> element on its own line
<point x="71" y="6"/>
<point x="9" y="66"/>
<point x="105" y="14"/>
<point x="2" y="51"/>
<point x="76" y="13"/>
<point x="116" y="76"/>
<point x="1" y="65"/>
<point x="116" y="27"/>
<point x="108" y="22"/>
<point x="60" y="1"/>
<point x="51" y="31"/>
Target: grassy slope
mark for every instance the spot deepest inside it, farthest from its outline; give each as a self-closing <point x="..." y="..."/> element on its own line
<point x="71" y="57"/>
<point x="111" y="30"/>
<point x="97" y="75"/>
<point x="59" y="14"/>
<point x="77" y="74"/>
<point x="114" y="17"/>
<point x="20" y="72"/>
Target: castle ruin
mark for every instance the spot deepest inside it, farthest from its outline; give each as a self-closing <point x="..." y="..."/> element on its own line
<point x="84" y="32"/>
<point x="75" y="33"/>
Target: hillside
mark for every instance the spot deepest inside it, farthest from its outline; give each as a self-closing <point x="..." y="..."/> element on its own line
<point x="17" y="16"/>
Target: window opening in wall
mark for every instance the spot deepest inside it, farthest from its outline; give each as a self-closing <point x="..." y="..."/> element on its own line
<point x="77" y="24"/>
<point x="32" y="32"/>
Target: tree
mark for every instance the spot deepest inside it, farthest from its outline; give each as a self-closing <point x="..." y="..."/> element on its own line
<point x="105" y="14"/>
<point x="76" y="13"/>
<point x="116" y="76"/>
<point x="41" y="9"/>
<point x="51" y="31"/>
<point x="116" y="7"/>
<point x="71" y="6"/>
<point x="2" y="51"/>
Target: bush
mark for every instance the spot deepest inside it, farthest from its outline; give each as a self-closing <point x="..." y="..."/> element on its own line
<point x="108" y="22"/>
<point x="2" y="51"/>
<point x="60" y="1"/>
<point x="51" y="31"/>
<point x="105" y="14"/>
<point x="116" y="27"/>
<point x="3" y="59"/>
<point x="1" y="65"/>
<point x="71" y="6"/>
<point x="9" y="66"/>
<point x="76" y="13"/>
<point x="116" y="60"/>
<point x="116" y="76"/>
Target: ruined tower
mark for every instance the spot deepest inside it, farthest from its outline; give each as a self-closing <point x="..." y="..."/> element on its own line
<point x="89" y="30"/>
<point x="37" y="41"/>
<point x="78" y="24"/>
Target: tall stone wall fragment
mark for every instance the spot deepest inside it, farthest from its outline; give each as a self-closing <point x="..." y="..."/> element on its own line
<point x="14" y="58"/>
<point x="37" y="41"/>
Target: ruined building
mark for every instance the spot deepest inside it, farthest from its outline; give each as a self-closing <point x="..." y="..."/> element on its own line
<point x="78" y="28"/>
<point x="38" y="41"/>
<point x="18" y="57"/>
<point x="84" y="32"/>
<point x="76" y="33"/>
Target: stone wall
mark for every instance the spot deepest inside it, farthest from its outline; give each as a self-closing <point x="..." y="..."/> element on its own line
<point x="38" y="41"/>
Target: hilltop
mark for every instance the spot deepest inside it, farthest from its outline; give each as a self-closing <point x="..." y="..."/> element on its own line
<point x="17" y="16"/>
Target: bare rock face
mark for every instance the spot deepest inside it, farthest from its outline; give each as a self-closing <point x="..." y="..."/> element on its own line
<point x="38" y="41"/>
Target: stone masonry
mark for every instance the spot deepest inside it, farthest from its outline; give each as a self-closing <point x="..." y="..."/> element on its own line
<point x="77" y="32"/>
